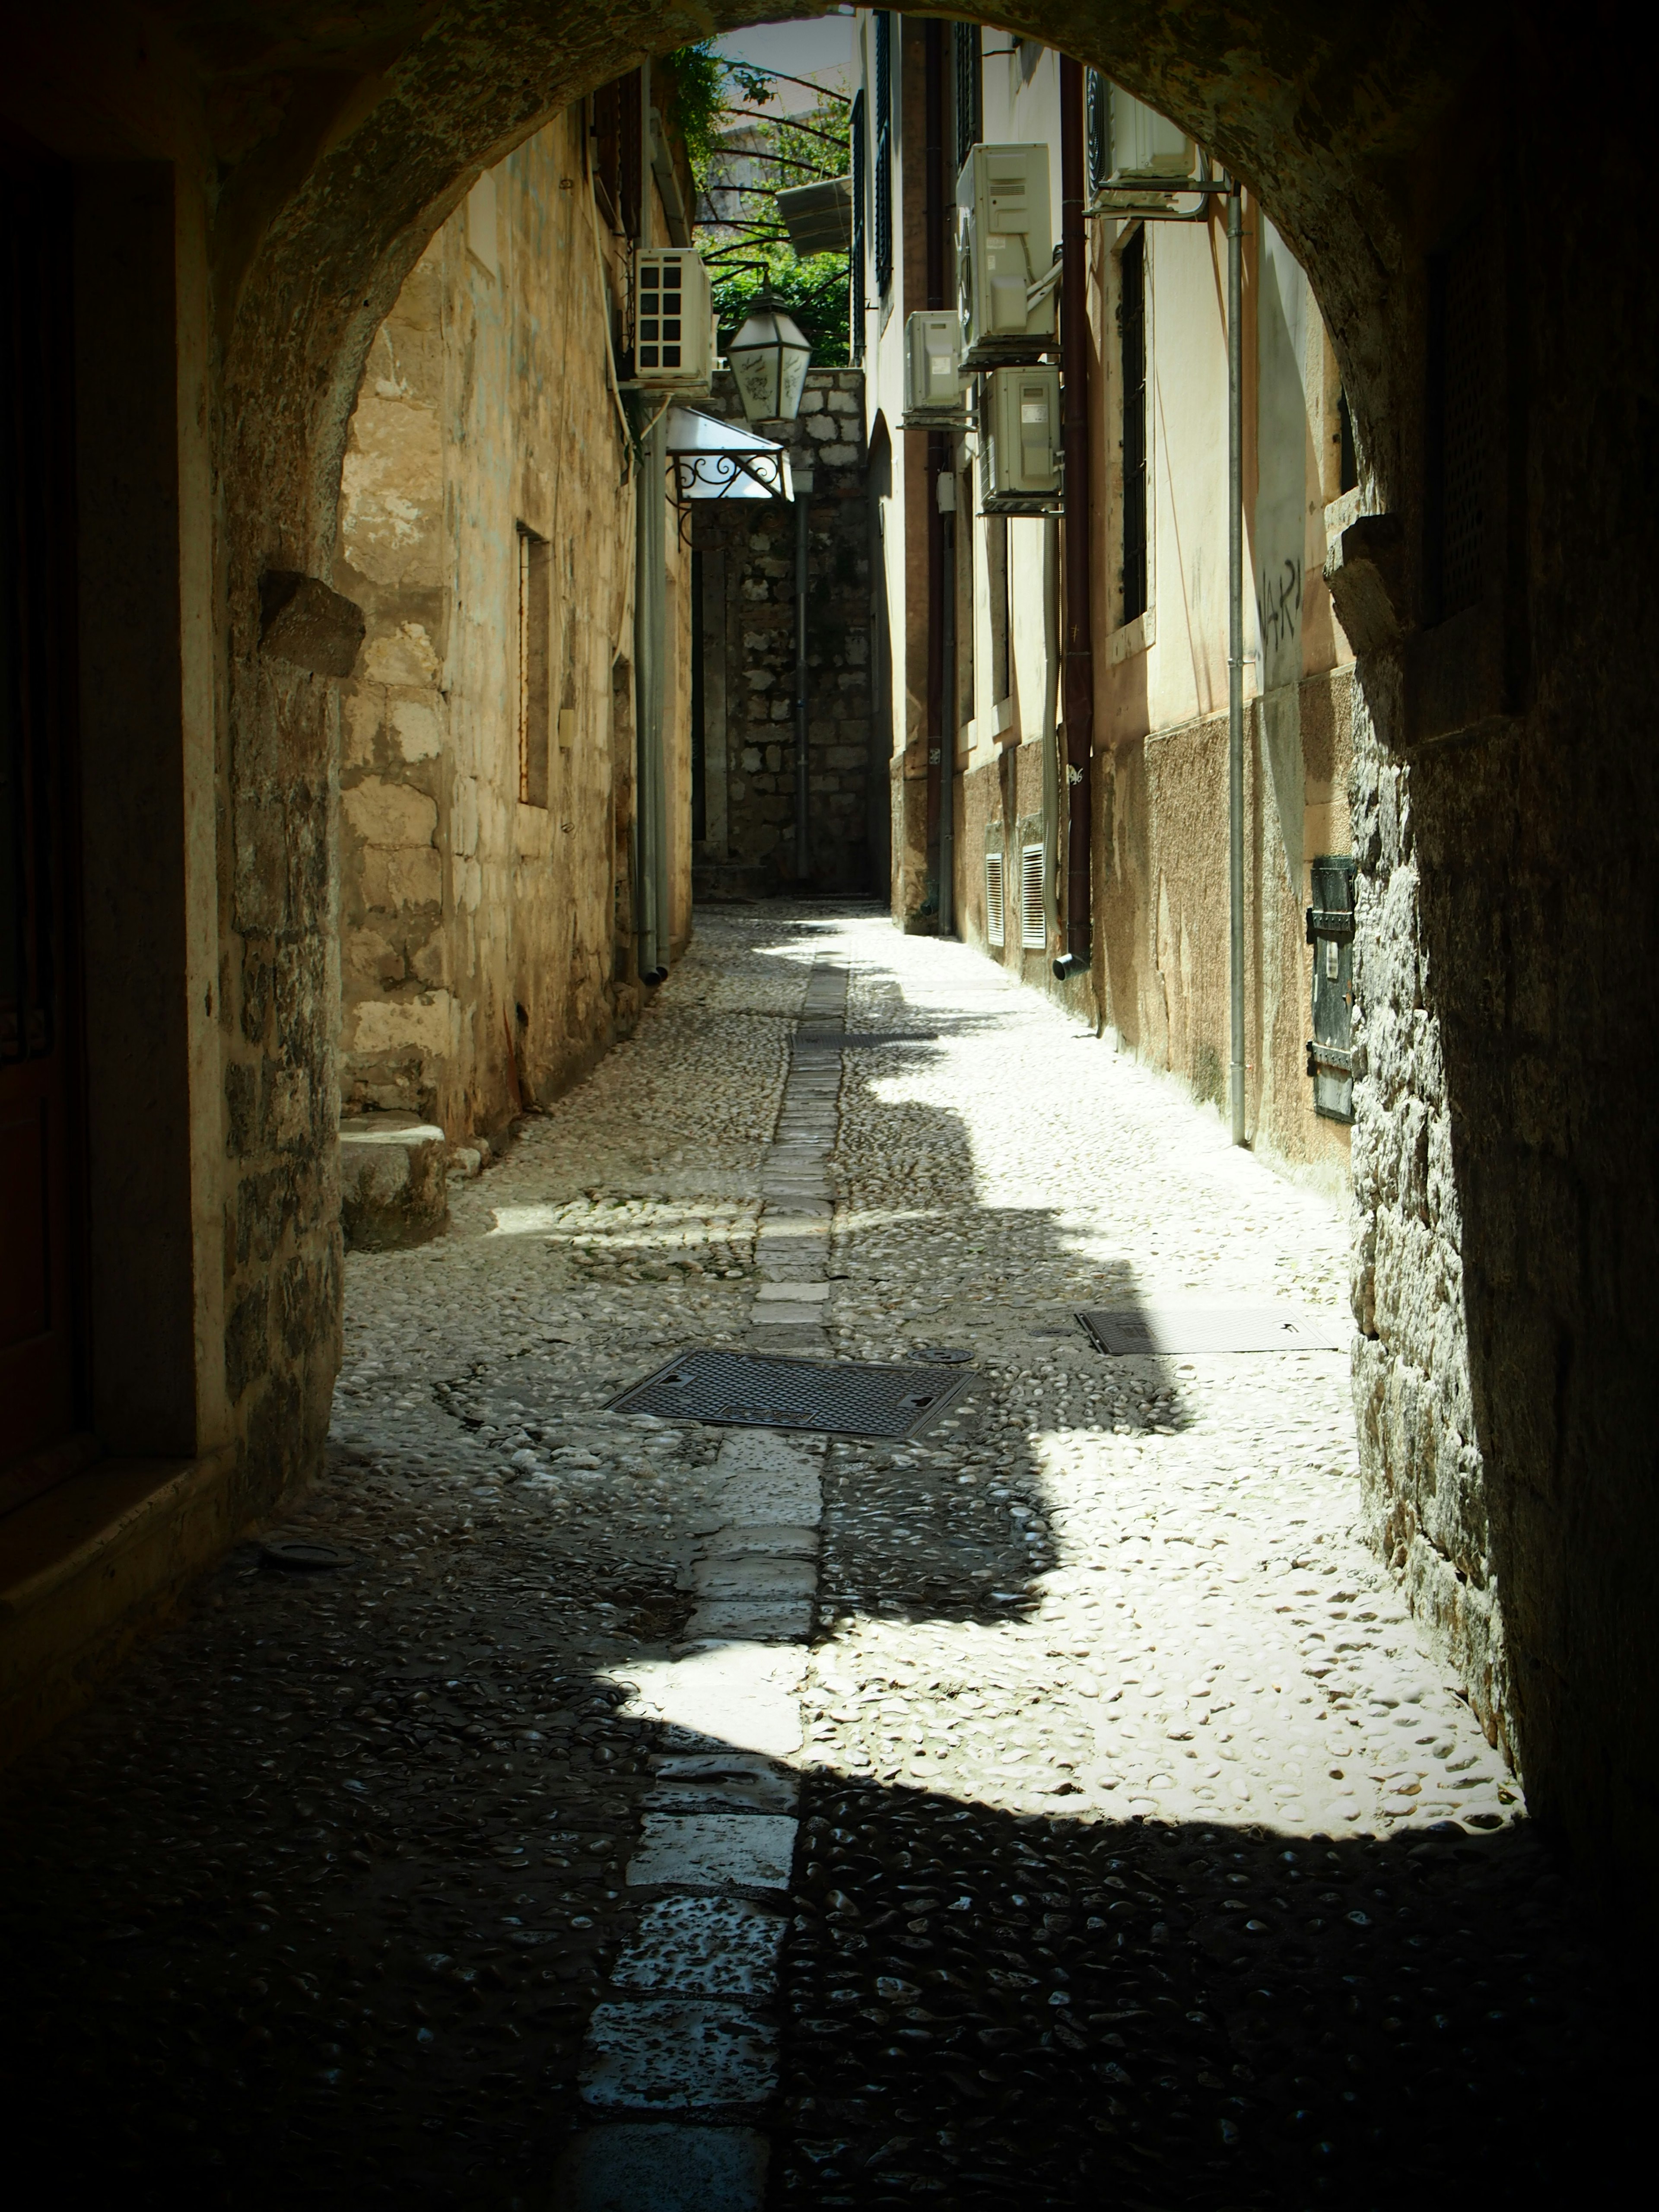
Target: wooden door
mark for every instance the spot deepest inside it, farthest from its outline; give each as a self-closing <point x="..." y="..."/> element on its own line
<point x="41" y="1362"/>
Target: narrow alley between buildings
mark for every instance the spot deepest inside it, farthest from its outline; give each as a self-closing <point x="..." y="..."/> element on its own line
<point x="570" y="1805"/>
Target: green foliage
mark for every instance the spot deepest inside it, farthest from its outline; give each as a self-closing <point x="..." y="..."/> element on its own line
<point x="814" y="291"/>
<point x="698" y="101"/>
<point x="751" y="253"/>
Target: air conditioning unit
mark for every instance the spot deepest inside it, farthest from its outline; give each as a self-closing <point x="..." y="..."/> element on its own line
<point x="1020" y="425"/>
<point x="935" y="392"/>
<point x="1147" y="150"/>
<point x="673" y="320"/>
<point x="1004" y="253"/>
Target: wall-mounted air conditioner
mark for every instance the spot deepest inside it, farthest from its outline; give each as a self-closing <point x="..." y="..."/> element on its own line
<point x="934" y="392"/>
<point x="1019" y="421"/>
<point x="1147" y="150"/>
<point x="673" y="347"/>
<point x="1004" y="253"/>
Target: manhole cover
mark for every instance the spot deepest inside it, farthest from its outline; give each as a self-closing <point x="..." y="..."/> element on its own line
<point x="1172" y="1331"/>
<point x="302" y="1555"/>
<point x="834" y="1398"/>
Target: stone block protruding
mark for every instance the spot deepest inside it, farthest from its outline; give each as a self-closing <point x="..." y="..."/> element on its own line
<point x="393" y="1183"/>
<point x="304" y="623"/>
<point x="1366" y="571"/>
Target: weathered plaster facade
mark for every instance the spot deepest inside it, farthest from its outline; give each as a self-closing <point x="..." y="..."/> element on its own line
<point x="486" y="807"/>
<point x="747" y="553"/>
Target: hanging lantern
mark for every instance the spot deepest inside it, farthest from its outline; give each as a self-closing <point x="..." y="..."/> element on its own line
<point x="769" y="358"/>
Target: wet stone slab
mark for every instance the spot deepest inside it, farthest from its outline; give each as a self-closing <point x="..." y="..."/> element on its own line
<point x="703" y="1946"/>
<point x="669" y="2055"/>
<point x="715" y="1850"/>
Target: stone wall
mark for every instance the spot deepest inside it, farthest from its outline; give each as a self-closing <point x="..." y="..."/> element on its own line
<point x="747" y="550"/>
<point x="480" y="963"/>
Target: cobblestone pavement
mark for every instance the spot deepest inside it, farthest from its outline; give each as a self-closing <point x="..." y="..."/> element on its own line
<point x="1055" y="1810"/>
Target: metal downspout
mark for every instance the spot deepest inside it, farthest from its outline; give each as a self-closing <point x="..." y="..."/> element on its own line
<point x="650" y="802"/>
<point x="1079" y="677"/>
<point x="948" y="718"/>
<point x="1235" y="650"/>
<point x="803" y="756"/>
<point x="935" y="215"/>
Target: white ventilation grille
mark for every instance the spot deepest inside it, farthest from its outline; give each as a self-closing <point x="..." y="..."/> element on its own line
<point x="673" y="319"/>
<point x="995" y="927"/>
<point x="1033" y="923"/>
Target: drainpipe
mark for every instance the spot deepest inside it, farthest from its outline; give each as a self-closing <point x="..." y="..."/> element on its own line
<point x="650" y="592"/>
<point x="803" y="486"/>
<point x="1236" y="648"/>
<point x="948" y="720"/>
<point x="1080" y="679"/>
<point x="935" y="214"/>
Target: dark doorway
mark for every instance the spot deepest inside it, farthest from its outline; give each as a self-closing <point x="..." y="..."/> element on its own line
<point x="42" y="1369"/>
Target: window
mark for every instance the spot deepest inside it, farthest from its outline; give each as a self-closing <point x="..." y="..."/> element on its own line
<point x="970" y="88"/>
<point x="884" y="207"/>
<point x="996" y="586"/>
<point x="1347" y="453"/>
<point x="1097" y="127"/>
<point x="1457" y="421"/>
<point x="996" y="931"/>
<point x="856" y="301"/>
<point x="616" y="152"/>
<point x="1033" y="922"/>
<point x="535" y="624"/>
<point x="1132" y="332"/>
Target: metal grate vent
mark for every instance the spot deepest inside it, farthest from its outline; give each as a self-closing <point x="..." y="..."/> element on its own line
<point x="995" y="927"/>
<point x="833" y="1398"/>
<point x="1171" y="1331"/>
<point x="1033" y="922"/>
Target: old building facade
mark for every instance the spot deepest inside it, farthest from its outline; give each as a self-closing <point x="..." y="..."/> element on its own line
<point x="487" y="767"/>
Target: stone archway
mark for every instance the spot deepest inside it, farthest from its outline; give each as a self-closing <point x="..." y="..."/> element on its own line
<point x="1504" y="1185"/>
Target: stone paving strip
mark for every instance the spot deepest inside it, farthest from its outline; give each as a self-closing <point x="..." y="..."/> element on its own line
<point x="692" y="2026"/>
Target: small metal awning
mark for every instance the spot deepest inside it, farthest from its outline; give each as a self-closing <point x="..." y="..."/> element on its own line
<point x="721" y="460"/>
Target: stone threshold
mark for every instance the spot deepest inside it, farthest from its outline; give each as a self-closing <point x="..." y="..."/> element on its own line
<point x="91" y="1566"/>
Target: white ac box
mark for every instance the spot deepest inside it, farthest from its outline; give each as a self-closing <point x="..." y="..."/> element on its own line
<point x="935" y="392"/>
<point x="1148" y="152"/>
<point x="1004" y="253"/>
<point x="673" y="320"/>
<point x="1020" y="418"/>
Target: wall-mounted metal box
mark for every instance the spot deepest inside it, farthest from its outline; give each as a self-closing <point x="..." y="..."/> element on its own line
<point x="673" y="347"/>
<point x="1005" y="250"/>
<point x="1020" y="422"/>
<point x="1330" y="932"/>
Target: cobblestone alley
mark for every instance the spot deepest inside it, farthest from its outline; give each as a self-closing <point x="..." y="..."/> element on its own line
<point x="1055" y="1810"/>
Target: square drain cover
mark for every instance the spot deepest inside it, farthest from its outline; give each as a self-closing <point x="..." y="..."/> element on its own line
<point x="833" y="1397"/>
<point x="1171" y="1331"/>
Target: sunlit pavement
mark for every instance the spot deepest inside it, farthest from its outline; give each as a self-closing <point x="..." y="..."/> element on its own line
<point x="1059" y="1808"/>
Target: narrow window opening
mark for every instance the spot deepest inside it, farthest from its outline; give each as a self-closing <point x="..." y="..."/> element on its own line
<point x="535" y="643"/>
<point x="1347" y="457"/>
<point x="969" y="87"/>
<point x="1097" y="127"/>
<point x="1131" y="331"/>
<point x="996" y="581"/>
<point x="856" y="303"/>
<point x="883" y="208"/>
